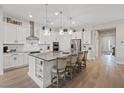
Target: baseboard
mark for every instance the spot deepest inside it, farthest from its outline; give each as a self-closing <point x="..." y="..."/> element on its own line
<point x="120" y="62"/>
<point x="13" y="68"/>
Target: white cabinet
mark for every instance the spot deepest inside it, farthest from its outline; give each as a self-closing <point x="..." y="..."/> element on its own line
<point x="25" y="59"/>
<point x="15" y="60"/>
<point x="19" y="60"/>
<point x="22" y="33"/>
<point x="31" y="65"/>
<point x="76" y="35"/>
<point x="13" y="33"/>
<point x="39" y="68"/>
<point x="8" y="63"/>
<point x="9" y="33"/>
<point x="87" y="37"/>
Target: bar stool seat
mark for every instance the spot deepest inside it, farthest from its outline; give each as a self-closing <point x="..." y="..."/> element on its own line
<point x="83" y="60"/>
<point x="80" y="60"/>
<point x="54" y="70"/>
<point x="58" y="71"/>
<point x="71" y="63"/>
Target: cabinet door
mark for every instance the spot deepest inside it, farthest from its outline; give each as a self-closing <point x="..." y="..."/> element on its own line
<point x="87" y="37"/>
<point x="77" y="35"/>
<point x="15" y="60"/>
<point x="22" y="33"/>
<point x="20" y="59"/>
<point x="25" y="62"/>
<point x="9" y="33"/>
<point x="31" y="65"/>
<point x="7" y="61"/>
<point x="41" y="37"/>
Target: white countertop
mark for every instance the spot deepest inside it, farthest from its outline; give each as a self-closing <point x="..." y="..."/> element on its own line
<point x="48" y="56"/>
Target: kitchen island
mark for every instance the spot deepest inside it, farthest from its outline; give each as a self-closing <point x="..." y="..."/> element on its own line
<point x="40" y="65"/>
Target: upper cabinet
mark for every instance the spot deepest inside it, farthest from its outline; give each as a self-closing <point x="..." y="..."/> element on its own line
<point x="87" y="37"/>
<point x="9" y="33"/>
<point x="22" y="33"/>
<point x="77" y="35"/>
<point x="15" y="34"/>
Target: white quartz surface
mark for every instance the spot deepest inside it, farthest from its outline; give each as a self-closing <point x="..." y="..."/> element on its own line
<point x="48" y="56"/>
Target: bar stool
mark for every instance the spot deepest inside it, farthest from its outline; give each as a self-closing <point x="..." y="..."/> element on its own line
<point x="58" y="71"/>
<point x="71" y="64"/>
<point x="84" y="62"/>
<point x="80" y="59"/>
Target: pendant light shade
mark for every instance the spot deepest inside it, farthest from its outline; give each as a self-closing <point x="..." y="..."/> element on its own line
<point x="70" y="30"/>
<point x="46" y="31"/>
<point x="61" y="29"/>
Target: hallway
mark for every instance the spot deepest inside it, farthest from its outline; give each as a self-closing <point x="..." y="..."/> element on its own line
<point x="101" y="73"/>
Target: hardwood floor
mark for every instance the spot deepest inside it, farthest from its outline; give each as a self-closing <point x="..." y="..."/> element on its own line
<point x="17" y="78"/>
<point x="101" y="73"/>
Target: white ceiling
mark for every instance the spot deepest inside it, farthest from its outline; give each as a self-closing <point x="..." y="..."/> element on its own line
<point x="82" y="14"/>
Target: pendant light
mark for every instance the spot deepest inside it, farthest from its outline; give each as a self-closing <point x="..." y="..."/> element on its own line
<point x="61" y="29"/>
<point x="70" y="29"/>
<point x="47" y="32"/>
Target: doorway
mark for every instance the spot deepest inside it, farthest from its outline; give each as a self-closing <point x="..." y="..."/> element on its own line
<point x="107" y="41"/>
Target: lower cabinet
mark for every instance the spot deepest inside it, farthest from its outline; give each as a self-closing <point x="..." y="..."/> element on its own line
<point x="39" y="68"/>
<point x="8" y="61"/>
<point x="16" y="60"/>
<point x="25" y="58"/>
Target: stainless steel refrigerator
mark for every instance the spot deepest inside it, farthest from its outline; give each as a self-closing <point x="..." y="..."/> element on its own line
<point x="75" y="45"/>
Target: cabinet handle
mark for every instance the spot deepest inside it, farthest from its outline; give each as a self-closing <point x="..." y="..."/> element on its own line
<point x="16" y="41"/>
<point x="15" y="58"/>
<point x="41" y="62"/>
<point x="15" y="54"/>
<point x="40" y="70"/>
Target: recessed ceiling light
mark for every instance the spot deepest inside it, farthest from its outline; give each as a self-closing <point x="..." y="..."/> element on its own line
<point x="70" y="31"/>
<point x="56" y="13"/>
<point x="30" y="16"/>
<point x="51" y="23"/>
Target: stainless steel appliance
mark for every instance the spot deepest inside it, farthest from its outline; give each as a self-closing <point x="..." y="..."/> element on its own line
<point x="32" y="37"/>
<point x="75" y="45"/>
<point x="31" y="41"/>
<point x="55" y="46"/>
<point x="5" y="49"/>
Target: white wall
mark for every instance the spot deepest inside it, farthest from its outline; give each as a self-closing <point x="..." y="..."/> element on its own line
<point x="105" y="43"/>
<point x="1" y="41"/>
<point x="105" y="36"/>
<point x="119" y="25"/>
<point x="120" y="43"/>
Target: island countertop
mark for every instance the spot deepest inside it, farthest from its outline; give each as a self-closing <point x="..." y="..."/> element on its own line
<point x="49" y="56"/>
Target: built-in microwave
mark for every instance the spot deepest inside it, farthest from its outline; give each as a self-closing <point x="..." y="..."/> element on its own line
<point x="55" y="46"/>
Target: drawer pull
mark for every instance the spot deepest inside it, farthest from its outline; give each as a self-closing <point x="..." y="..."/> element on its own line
<point x="41" y="62"/>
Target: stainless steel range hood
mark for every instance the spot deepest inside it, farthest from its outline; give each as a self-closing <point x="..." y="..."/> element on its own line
<point x="32" y="37"/>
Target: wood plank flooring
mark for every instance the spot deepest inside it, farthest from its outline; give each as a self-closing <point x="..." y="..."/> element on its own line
<point x="101" y="73"/>
<point x="17" y="78"/>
